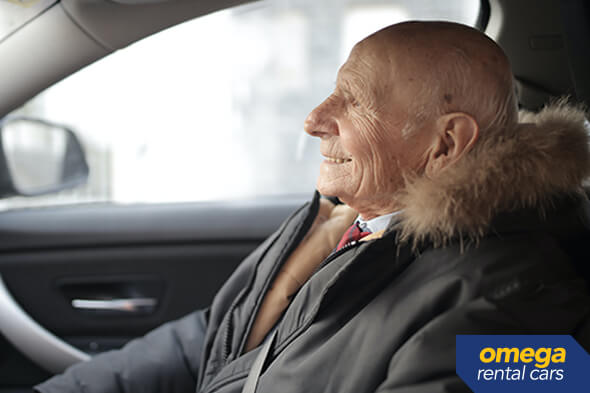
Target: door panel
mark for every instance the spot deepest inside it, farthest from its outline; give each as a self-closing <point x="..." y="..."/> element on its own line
<point x="96" y="276"/>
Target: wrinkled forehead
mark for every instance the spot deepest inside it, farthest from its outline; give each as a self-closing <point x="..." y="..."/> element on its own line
<point x="369" y="55"/>
<point x="359" y="68"/>
<point x="381" y="66"/>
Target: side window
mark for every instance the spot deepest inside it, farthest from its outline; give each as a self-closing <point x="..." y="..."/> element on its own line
<point x="214" y="108"/>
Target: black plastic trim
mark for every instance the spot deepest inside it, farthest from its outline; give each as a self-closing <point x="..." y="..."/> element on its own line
<point x="484" y="15"/>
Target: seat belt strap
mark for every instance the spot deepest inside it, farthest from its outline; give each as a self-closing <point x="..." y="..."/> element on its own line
<point x="256" y="370"/>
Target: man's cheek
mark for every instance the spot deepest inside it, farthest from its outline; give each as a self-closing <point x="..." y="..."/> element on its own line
<point x="358" y="146"/>
<point x="360" y="131"/>
<point x="387" y="170"/>
<point x="364" y="176"/>
<point x="371" y="129"/>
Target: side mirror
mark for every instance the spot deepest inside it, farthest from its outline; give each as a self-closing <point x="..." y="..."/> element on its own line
<point x="38" y="157"/>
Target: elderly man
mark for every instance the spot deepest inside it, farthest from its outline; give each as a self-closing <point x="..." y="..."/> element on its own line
<point x="464" y="221"/>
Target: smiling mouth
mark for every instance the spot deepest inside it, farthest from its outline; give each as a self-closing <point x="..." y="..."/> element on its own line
<point x="338" y="160"/>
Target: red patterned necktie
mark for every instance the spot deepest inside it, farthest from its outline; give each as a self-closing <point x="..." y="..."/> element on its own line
<point x="352" y="234"/>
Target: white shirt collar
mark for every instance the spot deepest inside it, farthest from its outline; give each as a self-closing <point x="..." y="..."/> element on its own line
<point x="378" y="223"/>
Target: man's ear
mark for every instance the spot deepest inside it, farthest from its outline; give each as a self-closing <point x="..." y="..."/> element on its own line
<point x="456" y="134"/>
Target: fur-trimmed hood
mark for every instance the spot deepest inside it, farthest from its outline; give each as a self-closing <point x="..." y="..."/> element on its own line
<point x="545" y="155"/>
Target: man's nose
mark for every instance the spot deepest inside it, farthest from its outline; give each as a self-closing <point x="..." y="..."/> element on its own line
<point x="321" y="121"/>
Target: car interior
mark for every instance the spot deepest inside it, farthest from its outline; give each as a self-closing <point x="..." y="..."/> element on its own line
<point x="80" y="279"/>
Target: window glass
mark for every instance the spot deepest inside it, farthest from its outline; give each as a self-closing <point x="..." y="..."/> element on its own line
<point x="214" y="108"/>
<point x="16" y="13"/>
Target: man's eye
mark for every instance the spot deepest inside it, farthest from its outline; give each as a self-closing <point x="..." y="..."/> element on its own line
<point x="354" y="102"/>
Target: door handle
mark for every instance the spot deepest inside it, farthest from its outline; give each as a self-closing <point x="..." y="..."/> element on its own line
<point x="129" y="305"/>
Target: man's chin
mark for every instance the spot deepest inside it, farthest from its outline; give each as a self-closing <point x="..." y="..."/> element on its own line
<point x="326" y="190"/>
<point x="331" y="190"/>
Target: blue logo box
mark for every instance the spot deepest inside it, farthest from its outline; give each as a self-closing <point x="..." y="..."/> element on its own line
<point x="522" y="363"/>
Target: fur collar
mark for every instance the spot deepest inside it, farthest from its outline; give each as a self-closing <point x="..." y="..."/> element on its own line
<point x="545" y="155"/>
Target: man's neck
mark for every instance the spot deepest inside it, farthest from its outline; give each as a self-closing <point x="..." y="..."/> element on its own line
<point x="372" y="208"/>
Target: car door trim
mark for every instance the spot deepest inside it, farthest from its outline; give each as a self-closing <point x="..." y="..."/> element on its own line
<point x="33" y="340"/>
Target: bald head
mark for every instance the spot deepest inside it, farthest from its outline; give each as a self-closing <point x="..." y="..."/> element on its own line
<point x="450" y="67"/>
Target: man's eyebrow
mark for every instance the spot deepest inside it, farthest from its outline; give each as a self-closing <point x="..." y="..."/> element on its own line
<point x="353" y="87"/>
<point x="344" y="88"/>
<point x="344" y="85"/>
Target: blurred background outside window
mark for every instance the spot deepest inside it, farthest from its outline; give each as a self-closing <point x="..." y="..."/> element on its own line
<point x="213" y="109"/>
